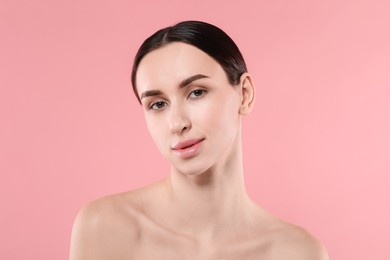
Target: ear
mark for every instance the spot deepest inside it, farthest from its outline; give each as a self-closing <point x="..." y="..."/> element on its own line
<point x="247" y="94"/>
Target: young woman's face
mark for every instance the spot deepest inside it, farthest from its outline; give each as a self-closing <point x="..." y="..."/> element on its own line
<point x="191" y="110"/>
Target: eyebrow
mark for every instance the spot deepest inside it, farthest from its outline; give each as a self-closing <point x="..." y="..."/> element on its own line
<point x="182" y="84"/>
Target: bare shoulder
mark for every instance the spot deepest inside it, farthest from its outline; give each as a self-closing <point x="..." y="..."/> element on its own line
<point x="107" y="211"/>
<point x="104" y="226"/>
<point x="293" y="242"/>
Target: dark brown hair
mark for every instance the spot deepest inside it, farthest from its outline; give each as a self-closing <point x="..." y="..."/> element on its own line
<point x="204" y="36"/>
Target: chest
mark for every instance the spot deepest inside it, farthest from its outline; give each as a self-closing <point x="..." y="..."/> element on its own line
<point x="170" y="247"/>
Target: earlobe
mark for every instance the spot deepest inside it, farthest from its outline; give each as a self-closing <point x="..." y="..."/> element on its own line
<point x="247" y="94"/>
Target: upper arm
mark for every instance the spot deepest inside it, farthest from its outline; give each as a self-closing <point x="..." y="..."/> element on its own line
<point x="301" y="245"/>
<point x="312" y="250"/>
<point x="100" y="232"/>
<point x="85" y="234"/>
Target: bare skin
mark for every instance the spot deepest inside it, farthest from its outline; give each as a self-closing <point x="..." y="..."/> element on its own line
<point x="201" y="210"/>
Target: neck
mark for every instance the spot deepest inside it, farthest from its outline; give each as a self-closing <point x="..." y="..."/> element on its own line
<point x="207" y="204"/>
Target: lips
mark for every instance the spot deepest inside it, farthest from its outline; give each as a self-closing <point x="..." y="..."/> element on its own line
<point x="186" y="144"/>
<point x="188" y="149"/>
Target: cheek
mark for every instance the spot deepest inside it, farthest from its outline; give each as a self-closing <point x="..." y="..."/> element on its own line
<point x="156" y="130"/>
<point x="220" y="115"/>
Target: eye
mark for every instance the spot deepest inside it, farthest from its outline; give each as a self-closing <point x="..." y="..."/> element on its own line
<point x="197" y="93"/>
<point x="158" y="105"/>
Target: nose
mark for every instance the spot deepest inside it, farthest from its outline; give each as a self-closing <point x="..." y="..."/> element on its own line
<point x="178" y="120"/>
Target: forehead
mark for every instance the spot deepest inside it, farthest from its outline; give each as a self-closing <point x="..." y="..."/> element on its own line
<point x="172" y="63"/>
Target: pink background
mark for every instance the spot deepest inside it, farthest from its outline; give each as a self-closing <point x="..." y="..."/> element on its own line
<point x="316" y="146"/>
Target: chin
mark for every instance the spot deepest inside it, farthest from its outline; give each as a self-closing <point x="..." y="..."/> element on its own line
<point x="190" y="169"/>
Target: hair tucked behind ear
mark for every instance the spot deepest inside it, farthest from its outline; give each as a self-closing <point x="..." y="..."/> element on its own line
<point x="206" y="37"/>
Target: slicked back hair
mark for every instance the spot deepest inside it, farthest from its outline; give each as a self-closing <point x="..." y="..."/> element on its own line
<point x="204" y="36"/>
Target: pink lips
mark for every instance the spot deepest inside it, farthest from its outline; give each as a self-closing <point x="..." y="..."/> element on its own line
<point x="188" y="148"/>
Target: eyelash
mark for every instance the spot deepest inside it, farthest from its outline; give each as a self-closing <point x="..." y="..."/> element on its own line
<point x="203" y="92"/>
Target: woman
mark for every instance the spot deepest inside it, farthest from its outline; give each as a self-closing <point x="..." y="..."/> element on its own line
<point x="193" y="85"/>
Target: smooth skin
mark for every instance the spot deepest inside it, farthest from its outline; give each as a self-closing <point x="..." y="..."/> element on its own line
<point x="201" y="210"/>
